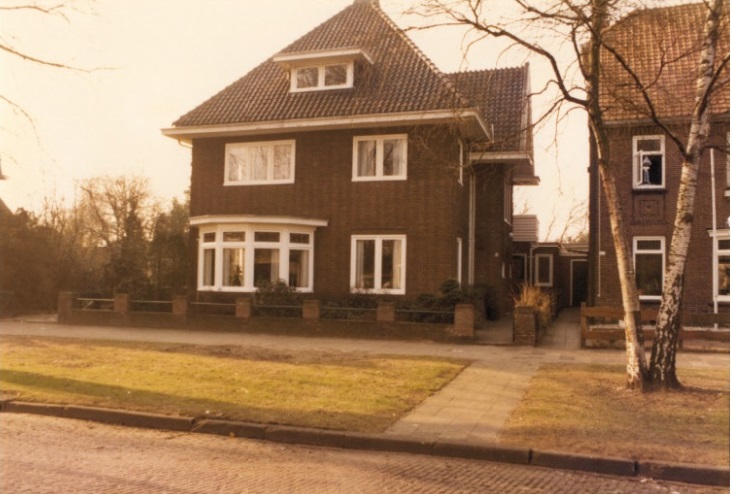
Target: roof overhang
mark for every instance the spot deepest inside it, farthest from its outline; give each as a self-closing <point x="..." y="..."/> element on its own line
<point x="522" y="161"/>
<point x="218" y="219"/>
<point x="302" y="58"/>
<point x="470" y="121"/>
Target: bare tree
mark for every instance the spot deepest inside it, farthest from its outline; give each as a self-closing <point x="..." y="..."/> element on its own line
<point x="583" y="27"/>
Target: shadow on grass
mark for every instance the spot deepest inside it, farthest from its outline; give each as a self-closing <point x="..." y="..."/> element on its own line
<point x="66" y="391"/>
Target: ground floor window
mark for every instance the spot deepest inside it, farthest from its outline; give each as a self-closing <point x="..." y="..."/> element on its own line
<point x="649" y="256"/>
<point x="544" y="270"/>
<point x="378" y="263"/>
<point x="721" y="277"/>
<point x="242" y="257"/>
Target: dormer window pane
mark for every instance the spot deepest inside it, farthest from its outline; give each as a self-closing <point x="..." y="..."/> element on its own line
<point x="336" y="75"/>
<point x="307" y="77"/>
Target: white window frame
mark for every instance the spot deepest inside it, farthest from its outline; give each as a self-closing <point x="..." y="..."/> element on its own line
<point x="717" y="252"/>
<point x="378" y="263"/>
<point x="661" y="250"/>
<point x="321" y="86"/>
<point x="537" y="281"/>
<point x="638" y="160"/>
<point x="249" y="244"/>
<point x="507" y="200"/>
<point x="379" y="172"/>
<point x="232" y="147"/>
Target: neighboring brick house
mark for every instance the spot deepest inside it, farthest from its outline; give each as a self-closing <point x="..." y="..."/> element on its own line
<point x="349" y="162"/>
<point x="663" y="46"/>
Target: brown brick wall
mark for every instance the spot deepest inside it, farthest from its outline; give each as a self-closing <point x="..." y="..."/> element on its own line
<point x="430" y="207"/>
<point x="652" y="214"/>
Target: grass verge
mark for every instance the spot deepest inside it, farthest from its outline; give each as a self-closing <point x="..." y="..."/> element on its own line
<point x="322" y="390"/>
<point x="585" y="409"/>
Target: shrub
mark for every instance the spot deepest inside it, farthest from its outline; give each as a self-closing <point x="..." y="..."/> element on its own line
<point x="540" y="300"/>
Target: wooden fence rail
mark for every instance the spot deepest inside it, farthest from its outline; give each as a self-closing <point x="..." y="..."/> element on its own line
<point x="611" y="315"/>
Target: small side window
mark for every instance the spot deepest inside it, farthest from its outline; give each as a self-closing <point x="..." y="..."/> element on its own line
<point x="648" y="162"/>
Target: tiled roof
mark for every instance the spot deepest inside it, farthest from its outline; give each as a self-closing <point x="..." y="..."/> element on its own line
<point x="500" y="95"/>
<point x="400" y="79"/>
<point x="662" y="46"/>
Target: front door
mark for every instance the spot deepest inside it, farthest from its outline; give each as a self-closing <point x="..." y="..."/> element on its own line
<point x="579" y="281"/>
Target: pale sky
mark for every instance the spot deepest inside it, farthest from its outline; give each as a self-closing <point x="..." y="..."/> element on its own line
<point x="157" y="59"/>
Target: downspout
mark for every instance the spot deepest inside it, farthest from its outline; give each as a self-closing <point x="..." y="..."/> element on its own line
<point x="471" y="229"/>
<point x="715" y="245"/>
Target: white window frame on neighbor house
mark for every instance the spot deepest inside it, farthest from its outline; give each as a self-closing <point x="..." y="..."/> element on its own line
<point x="639" y="156"/>
<point x="238" y="154"/>
<point x="720" y="251"/>
<point x="537" y="279"/>
<point x="247" y="243"/>
<point x="378" y="141"/>
<point x="321" y="82"/>
<point x="507" y="200"/>
<point x="378" y="283"/>
<point x="660" y="251"/>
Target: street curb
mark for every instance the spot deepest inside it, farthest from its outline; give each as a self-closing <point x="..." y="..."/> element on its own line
<point x="672" y="472"/>
<point x="596" y="464"/>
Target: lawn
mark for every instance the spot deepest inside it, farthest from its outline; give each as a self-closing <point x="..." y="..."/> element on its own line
<point x="323" y="390"/>
<point x="586" y="409"/>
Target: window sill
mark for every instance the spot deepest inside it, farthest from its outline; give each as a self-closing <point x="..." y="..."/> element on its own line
<point x="649" y="190"/>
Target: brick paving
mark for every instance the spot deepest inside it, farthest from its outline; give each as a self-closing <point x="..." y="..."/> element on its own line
<point x="51" y="455"/>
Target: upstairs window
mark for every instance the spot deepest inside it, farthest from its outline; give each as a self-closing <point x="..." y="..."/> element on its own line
<point x="380" y="158"/>
<point x="721" y="278"/>
<point x="324" y="76"/>
<point x="256" y="163"/>
<point x="648" y="162"/>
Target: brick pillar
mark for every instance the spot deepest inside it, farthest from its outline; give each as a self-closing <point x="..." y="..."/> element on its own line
<point x="465" y="320"/>
<point x="122" y="303"/>
<point x="66" y="306"/>
<point x="180" y="306"/>
<point x="524" y="325"/>
<point x="311" y="309"/>
<point x="243" y="308"/>
<point x="386" y="312"/>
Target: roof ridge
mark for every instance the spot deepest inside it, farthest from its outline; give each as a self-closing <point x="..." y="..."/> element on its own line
<point x="440" y="74"/>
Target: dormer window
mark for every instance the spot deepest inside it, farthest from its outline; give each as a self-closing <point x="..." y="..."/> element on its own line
<point x="321" y="70"/>
<point x="326" y="76"/>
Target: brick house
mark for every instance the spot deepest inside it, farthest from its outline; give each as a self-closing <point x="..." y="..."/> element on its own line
<point x="663" y="46"/>
<point x="348" y="162"/>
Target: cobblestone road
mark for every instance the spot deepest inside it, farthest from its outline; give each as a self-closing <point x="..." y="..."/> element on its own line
<point x="52" y="455"/>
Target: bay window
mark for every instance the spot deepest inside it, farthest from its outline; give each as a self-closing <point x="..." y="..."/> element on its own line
<point x="378" y="263"/>
<point x="241" y="257"/>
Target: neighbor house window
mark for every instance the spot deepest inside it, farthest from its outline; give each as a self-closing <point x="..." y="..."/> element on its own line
<point x="648" y="162"/>
<point x="544" y="265"/>
<point x="721" y="277"/>
<point x="324" y="76"/>
<point x="380" y="158"/>
<point x="649" y="257"/>
<point x="243" y="257"/>
<point x="378" y="263"/>
<point x="256" y="163"/>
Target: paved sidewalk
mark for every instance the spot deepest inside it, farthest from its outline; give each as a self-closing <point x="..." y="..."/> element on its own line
<point x="472" y="408"/>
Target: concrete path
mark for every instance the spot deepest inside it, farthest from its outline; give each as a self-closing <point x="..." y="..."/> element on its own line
<point x="472" y="408"/>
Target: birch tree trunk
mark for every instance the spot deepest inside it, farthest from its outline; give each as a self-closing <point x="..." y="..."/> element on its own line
<point x="635" y="362"/>
<point x="668" y="323"/>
